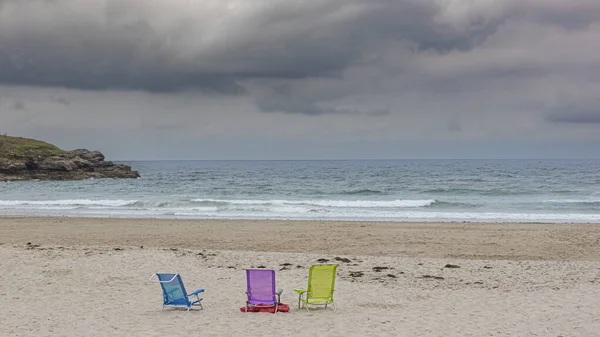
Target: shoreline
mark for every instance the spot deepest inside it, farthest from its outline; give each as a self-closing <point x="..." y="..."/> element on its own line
<point x="465" y="240"/>
<point x="439" y="218"/>
<point x="413" y="221"/>
<point x="295" y="220"/>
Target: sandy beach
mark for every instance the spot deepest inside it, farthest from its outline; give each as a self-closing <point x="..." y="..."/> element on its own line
<point x="88" y="277"/>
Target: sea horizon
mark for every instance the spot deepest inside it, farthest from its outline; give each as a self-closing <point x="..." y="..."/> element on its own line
<point x="359" y="159"/>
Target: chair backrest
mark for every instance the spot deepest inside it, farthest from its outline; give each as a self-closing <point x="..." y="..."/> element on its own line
<point x="321" y="281"/>
<point x="260" y="286"/>
<point x="173" y="290"/>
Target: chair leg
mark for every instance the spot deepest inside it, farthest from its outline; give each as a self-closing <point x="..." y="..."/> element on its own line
<point x="299" y="297"/>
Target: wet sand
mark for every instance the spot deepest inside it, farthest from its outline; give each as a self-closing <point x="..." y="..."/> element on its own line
<point x="506" y="241"/>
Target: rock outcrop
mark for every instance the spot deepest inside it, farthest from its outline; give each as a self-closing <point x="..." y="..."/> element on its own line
<point x="29" y="159"/>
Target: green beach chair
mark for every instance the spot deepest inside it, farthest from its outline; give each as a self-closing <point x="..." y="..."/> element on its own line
<point x="321" y="281"/>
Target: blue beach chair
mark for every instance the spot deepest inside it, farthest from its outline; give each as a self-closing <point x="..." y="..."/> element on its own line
<point x="174" y="294"/>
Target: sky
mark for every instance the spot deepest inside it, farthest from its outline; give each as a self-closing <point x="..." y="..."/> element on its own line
<point x="311" y="79"/>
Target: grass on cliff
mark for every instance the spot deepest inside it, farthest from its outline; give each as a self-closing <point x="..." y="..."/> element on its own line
<point x="26" y="147"/>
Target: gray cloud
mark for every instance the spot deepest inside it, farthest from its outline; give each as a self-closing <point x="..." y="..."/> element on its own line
<point x="18" y="105"/>
<point x="375" y="57"/>
<point x="579" y="14"/>
<point x="119" y="45"/>
<point x="122" y="45"/>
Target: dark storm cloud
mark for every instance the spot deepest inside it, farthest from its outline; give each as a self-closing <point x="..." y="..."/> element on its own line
<point x="221" y="46"/>
<point x="276" y="104"/>
<point x="574" y="114"/>
<point x="61" y="100"/>
<point x="285" y="40"/>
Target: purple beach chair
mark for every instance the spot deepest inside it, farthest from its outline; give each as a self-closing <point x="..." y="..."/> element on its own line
<point x="261" y="289"/>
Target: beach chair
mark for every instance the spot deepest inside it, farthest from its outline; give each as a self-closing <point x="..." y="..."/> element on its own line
<point x="260" y="289"/>
<point x="174" y="294"/>
<point x="321" y="281"/>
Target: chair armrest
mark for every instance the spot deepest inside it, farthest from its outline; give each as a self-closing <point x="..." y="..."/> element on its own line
<point x="201" y="290"/>
<point x="300" y="291"/>
<point x="279" y="291"/>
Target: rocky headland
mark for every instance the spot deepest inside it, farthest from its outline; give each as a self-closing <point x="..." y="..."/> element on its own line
<point x="30" y="159"/>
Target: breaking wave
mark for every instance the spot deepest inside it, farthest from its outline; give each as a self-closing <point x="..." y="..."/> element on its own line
<point x="327" y="203"/>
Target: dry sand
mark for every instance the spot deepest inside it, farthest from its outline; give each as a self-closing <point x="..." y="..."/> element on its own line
<point x="88" y="277"/>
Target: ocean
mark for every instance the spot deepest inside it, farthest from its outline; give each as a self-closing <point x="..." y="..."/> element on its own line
<point x="380" y="190"/>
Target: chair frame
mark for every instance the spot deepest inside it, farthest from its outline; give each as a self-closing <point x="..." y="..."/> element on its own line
<point x="197" y="301"/>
